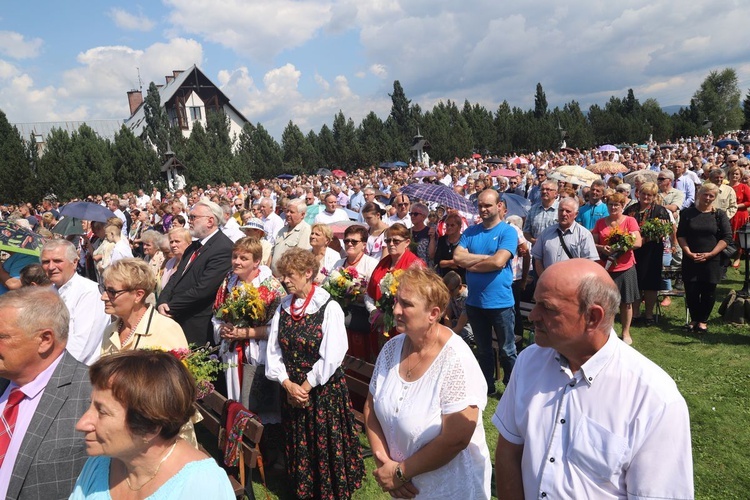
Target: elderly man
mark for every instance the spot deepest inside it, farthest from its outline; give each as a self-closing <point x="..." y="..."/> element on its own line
<point x="727" y="198"/>
<point x="486" y="251"/>
<point x="683" y="182"/>
<point x="229" y="225"/>
<point x="402" y="204"/>
<point x="672" y="197"/>
<point x="82" y="298"/>
<point x="585" y="415"/>
<point x="331" y="213"/>
<point x="565" y="240"/>
<point x="542" y="214"/>
<point x="43" y="392"/>
<point x="595" y="209"/>
<point x="272" y="223"/>
<point x="296" y="232"/>
<point x="357" y="199"/>
<point x="189" y="294"/>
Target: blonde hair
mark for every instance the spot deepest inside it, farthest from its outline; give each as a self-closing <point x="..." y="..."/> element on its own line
<point x="133" y="274"/>
<point x="429" y="285"/>
<point x="324" y="229"/>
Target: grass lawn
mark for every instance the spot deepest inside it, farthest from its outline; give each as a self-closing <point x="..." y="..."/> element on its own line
<point x="713" y="373"/>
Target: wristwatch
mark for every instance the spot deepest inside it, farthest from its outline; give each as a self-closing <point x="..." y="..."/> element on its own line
<point x="400" y="474"/>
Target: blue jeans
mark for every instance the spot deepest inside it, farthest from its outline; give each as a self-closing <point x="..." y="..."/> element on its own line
<point x="503" y="321"/>
<point x="666" y="260"/>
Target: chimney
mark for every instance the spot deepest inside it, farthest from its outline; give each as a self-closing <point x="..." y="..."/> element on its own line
<point x="169" y="79"/>
<point x="176" y="72"/>
<point x="135" y="99"/>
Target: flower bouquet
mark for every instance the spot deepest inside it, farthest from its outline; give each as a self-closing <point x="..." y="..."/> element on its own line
<point x="345" y="285"/>
<point x="656" y="229"/>
<point x="388" y="289"/>
<point x="245" y="305"/>
<point x="203" y="364"/>
<point x="620" y="241"/>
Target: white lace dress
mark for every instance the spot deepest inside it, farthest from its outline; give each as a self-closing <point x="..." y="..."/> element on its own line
<point x="410" y="414"/>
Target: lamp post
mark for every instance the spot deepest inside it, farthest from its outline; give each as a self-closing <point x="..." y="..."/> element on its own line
<point x="743" y="235"/>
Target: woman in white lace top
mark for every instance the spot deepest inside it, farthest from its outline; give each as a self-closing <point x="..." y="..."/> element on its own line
<point x="424" y="411"/>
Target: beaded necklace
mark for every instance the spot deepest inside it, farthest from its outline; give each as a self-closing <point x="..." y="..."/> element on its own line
<point x="297" y="313"/>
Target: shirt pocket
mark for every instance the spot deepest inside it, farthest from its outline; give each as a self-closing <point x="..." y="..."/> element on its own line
<point x="597" y="451"/>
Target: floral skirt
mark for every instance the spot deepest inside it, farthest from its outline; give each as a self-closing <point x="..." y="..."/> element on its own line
<point x="323" y="453"/>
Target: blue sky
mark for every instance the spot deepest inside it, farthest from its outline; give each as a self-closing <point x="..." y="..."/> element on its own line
<point x="303" y="60"/>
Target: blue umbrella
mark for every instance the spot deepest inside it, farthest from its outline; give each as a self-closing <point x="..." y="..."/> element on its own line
<point x="285" y="176"/>
<point x="440" y="194"/>
<point x="516" y="205"/>
<point x="400" y="164"/>
<point x="86" y="210"/>
<point x="727" y="142"/>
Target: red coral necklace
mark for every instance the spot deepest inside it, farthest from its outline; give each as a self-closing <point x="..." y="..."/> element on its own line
<point x="297" y="313"/>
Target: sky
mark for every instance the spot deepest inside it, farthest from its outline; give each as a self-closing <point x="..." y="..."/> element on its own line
<point x="304" y="60"/>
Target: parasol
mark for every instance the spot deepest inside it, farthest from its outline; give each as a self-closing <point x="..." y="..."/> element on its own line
<point x="504" y="172"/>
<point x="86" y="210"/>
<point x="14" y="238"/>
<point x="440" y="194"/>
<point x="574" y="174"/>
<point x="607" y="167"/>
<point x="650" y="176"/>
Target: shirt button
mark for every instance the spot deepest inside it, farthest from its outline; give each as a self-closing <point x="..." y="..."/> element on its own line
<point x="572" y="383"/>
<point x="544" y="494"/>
<point x="562" y="420"/>
<point x="552" y="459"/>
<point x="591" y="378"/>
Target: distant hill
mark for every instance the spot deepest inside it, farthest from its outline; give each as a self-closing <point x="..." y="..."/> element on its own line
<point x="672" y="110"/>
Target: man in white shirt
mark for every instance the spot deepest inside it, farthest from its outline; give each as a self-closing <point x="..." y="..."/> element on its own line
<point x="402" y="211"/>
<point x="142" y="199"/>
<point x="272" y="223"/>
<point x="230" y="227"/>
<point x="114" y="205"/>
<point x="584" y="414"/>
<point x="82" y="297"/>
<point x="331" y="214"/>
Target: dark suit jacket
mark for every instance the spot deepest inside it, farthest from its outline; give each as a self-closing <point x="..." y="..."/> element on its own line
<point x="52" y="453"/>
<point x="190" y="295"/>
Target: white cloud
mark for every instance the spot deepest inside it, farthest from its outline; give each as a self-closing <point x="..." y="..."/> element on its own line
<point x="133" y="22"/>
<point x="322" y="82"/>
<point x="258" y="29"/>
<point x="15" y="45"/>
<point x="379" y="70"/>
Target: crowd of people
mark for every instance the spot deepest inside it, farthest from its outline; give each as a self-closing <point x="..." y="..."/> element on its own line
<point x="436" y="284"/>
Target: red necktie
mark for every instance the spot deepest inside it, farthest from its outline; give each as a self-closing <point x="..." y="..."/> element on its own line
<point x="10" y="414"/>
<point x="198" y="245"/>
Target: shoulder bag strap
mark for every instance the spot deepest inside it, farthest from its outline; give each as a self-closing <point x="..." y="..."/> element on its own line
<point x="564" y="246"/>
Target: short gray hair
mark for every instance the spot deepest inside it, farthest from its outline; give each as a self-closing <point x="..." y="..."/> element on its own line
<point x="667" y="173"/>
<point x="38" y="308"/>
<point x="299" y="203"/>
<point x="594" y="291"/>
<point x="153" y="237"/>
<point x="569" y="201"/>
<point x="70" y="249"/>
<point x="215" y="209"/>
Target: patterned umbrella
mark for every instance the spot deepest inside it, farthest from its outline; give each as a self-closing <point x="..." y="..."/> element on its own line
<point x="574" y="174"/>
<point x="440" y="194"/>
<point x="519" y="161"/>
<point x="504" y="172"/>
<point x="425" y="173"/>
<point x="608" y="147"/>
<point x="608" y="167"/>
<point x="14" y="238"/>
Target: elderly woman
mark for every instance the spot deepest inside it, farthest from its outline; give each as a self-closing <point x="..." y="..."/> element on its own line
<point x="320" y="237"/>
<point x="127" y="285"/>
<point x="621" y="265"/>
<point x="139" y="402"/>
<point x="650" y="256"/>
<point x="253" y="227"/>
<point x="306" y="345"/>
<point x="424" y="411"/>
<point x="372" y="214"/>
<point x="244" y="347"/>
<point x="152" y="254"/>
<point x="179" y="239"/>
<point x="703" y="233"/>
<point x="397" y="240"/>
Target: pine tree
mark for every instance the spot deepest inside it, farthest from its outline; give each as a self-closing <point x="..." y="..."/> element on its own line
<point x="15" y="169"/>
<point x="540" y="102"/>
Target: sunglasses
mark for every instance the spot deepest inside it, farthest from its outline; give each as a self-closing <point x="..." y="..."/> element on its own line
<point x="113" y="294"/>
<point x="661" y="178"/>
<point x="414" y="214"/>
<point x="395" y="241"/>
<point x="402" y="204"/>
<point x="349" y="241"/>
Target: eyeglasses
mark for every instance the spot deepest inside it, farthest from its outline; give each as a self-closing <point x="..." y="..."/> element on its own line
<point x="193" y="217"/>
<point x="349" y="241"/>
<point x="402" y="204"/>
<point x="413" y="214"/>
<point x="113" y="294"/>
<point x="395" y="241"/>
<point x="661" y="178"/>
<point x="732" y="161"/>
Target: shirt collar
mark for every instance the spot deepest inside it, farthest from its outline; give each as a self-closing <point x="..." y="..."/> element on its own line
<point x="205" y="240"/>
<point x="596" y="363"/>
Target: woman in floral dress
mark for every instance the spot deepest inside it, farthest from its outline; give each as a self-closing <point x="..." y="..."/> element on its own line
<point x="306" y="345"/>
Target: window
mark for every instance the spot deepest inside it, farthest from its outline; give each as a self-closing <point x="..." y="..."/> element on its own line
<point x="195" y="113"/>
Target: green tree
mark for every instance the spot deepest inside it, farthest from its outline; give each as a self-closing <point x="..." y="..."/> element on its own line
<point x="267" y="153"/>
<point x="746" y="111"/>
<point x="196" y="157"/>
<point x="345" y="139"/>
<point x="220" y="147"/>
<point x="136" y="165"/>
<point x="503" y="126"/>
<point x="56" y="173"/>
<point x="718" y="101"/>
<point x="326" y="147"/>
<point x="295" y="148"/>
<point x="480" y="122"/>
<point x="157" y="127"/>
<point x="93" y="157"/>
<point x="657" y="121"/>
<point x="15" y="169"/>
<point x="372" y="139"/>
<point x="540" y="102"/>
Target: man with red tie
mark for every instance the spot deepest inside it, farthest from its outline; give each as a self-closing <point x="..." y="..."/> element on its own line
<point x="44" y="390"/>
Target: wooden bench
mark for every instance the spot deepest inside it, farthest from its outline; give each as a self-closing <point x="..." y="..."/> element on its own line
<point x="211" y="408"/>
<point x="358" y="374"/>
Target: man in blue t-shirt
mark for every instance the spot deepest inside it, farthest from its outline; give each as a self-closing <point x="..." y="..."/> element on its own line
<point x="595" y="209"/>
<point x="486" y="251"/>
